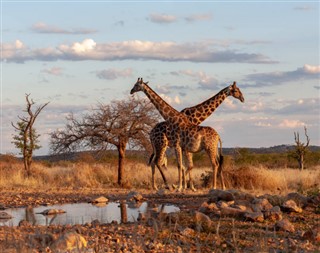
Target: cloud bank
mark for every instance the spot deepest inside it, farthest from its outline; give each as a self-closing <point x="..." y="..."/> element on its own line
<point x="41" y="27"/>
<point x="88" y="49"/>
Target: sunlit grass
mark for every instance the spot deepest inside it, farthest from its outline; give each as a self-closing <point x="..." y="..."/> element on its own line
<point x="138" y="175"/>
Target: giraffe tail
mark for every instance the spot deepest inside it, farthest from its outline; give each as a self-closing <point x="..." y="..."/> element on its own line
<point x="221" y="158"/>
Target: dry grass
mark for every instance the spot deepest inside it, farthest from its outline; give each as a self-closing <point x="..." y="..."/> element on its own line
<point x="138" y="175"/>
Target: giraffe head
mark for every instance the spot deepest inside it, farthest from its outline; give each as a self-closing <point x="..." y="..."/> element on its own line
<point x="236" y="92"/>
<point x="138" y="86"/>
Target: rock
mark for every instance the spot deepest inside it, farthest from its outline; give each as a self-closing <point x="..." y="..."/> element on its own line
<point x="284" y="225"/>
<point x="233" y="212"/>
<point x="208" y="208"/>
<point x="52" y="211"/>
<point x="312" y="234"/>
<point x="273" y="214"/>
<point x="255" y="216"/>
<point x="68" y="242"/>
<point x="100" y="199"/>
<point x="203" y="220"/>
<point x="291" y="206"/>
<point x="261" y="205"/>
<point x="5" y="216"/>
<point x="216" y="195"/>
<point x="24" y="223"/>
<point x="298" y="198"/>
<point x="134" y="196"/>
<point x="189" y="232"/>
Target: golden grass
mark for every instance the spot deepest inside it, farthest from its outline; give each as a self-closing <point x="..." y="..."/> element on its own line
<point x="138" y="175"/>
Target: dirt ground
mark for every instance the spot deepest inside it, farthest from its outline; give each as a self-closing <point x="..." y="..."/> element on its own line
<point x="178" y="232"/>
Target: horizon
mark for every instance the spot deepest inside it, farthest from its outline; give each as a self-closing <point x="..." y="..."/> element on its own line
<point x="77" y="54"/>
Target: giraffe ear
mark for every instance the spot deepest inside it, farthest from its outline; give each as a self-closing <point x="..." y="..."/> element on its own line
<point x="146" y="82"/>
<point x="234" y="85"/>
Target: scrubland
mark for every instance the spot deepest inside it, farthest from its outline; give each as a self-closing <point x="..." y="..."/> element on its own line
<point x="92" y="174"/>
<point x="85" y="178"/>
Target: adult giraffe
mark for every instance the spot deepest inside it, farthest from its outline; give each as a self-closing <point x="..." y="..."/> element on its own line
<point x="184" y="136"/>
<point x="196" y="115"/>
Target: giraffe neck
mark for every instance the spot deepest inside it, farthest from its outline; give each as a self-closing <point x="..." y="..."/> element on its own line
<point x="166" y="111"/>
<point x="197" y="114"/>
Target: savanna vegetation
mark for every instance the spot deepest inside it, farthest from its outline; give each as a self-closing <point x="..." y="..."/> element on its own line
<point x="243" y="169"/>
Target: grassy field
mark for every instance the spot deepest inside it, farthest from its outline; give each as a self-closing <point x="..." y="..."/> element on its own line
<point x="256" y="178"/>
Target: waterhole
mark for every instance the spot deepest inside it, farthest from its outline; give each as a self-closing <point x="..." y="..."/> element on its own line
<point x="82" y="213"/>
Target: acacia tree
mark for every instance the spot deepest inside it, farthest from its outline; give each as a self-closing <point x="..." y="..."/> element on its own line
<point x="301" y="148"/>
<point x="121" y="123"/>
<point x="27" y="139"/>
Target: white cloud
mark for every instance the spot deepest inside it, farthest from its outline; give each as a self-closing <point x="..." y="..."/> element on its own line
<point x="311" y="69"/>
<point x="286" y="123"/>
<point x="56" y="71"/>
<point x="88" y="49"/>
<point x="112" y="74"/>
<point x="41" y="27"/>
<point x="162" y="18"/>
<point x="199" y="17"/>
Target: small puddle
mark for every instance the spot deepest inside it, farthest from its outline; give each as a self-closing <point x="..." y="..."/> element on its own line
<point x="82" y="213"/>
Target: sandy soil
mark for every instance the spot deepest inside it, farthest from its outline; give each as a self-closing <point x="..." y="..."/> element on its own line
<point x="159" y="232"/>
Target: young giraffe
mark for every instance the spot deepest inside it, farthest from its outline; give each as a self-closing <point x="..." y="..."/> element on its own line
<point x="196" y="115"/>
<point x="184" y="136"/>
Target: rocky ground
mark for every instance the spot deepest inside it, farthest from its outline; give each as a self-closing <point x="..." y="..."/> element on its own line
<point x="209" y="221"/>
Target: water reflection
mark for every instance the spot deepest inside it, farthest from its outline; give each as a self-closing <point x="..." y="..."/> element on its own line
<point x="82" y="213"/>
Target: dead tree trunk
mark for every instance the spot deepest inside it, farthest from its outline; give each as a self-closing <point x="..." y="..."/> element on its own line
<point x="121" y="162"/>
<point x="301" y="148"/>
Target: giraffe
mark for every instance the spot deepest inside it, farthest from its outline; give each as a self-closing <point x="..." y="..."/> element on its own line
<point x="196" y="115"/>
<point x="185" y="137"/>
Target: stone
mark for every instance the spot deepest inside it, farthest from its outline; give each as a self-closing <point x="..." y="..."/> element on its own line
<point x="290" y="206"/>
<point x="284" y="225"/>
<point x="203" y="220"/>
<point x="254" y="217"/>
<point x="100" y="199"/>
<point x="134" y="196"/>
<point x="298" y="198"/>
<point x="5" y="216"/>
<point x="189" y="232"/>
<point x="261" y="205"/>
<point x="52" y="211"/>
<point x="68" y="242"/>
<point x="312" y="234"/>
<point x="273" y="214"/>
<point x="215" y="195"/>
<point x="208" y="208"/>
<point x="232" y="212"/>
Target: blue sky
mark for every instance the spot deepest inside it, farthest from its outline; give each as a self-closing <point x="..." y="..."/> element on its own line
<point x="78" y="53"/>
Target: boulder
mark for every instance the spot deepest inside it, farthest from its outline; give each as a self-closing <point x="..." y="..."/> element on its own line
<point x="68" y="242"/>
<point x="273" y="214"/>
<point x="215" y="195"/>
<point x="291" y="206"/>
<point x="134" y="196"/>
<point x="284" y="225"/>
<point x="254" y="217"/>
<point x="100" y="199"/>
<point x="261" y="205"/>
<point x="52" y="211"/>
<point x="5" y="216"/>
<point x="203" y="221"/>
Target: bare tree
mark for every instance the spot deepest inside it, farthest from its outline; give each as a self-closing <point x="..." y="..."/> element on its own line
<point x="301" y="148"/>
<point x="122" y="123"/>
<point x="27" y="138"/>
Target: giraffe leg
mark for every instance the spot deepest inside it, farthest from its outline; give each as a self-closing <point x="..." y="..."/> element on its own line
<point x="189" y="168"/>
<point x="220" y="172"/>
<point x="214" y="164"/>
<point x="160" y="163"/>
<point x="153" y="169"/>
<point x="178" y="152"/>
